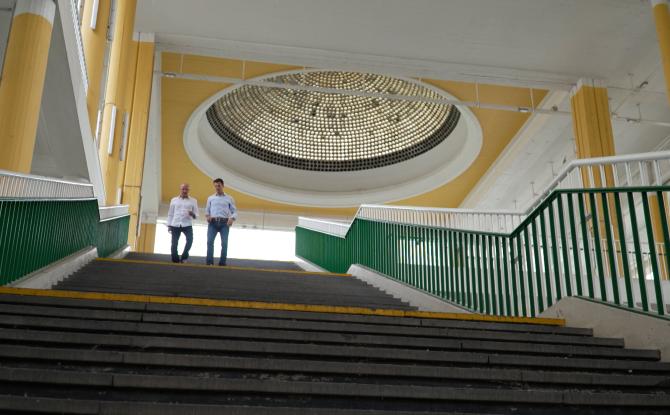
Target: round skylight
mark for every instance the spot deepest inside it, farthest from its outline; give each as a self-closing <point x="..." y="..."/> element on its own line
<point x="314" y="128"/>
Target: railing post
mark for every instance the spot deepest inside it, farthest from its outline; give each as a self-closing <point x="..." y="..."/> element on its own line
<point x="638" y="252"/>
<point x="652" y="255"/>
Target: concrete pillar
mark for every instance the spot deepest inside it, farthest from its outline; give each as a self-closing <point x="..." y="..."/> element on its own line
<point x="22" y="81"/>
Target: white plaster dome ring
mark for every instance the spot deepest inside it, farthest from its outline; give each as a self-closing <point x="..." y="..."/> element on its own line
<point x="381" y="172"/>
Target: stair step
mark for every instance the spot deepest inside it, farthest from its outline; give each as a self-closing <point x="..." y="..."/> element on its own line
<point x="276" y="328"/>
<point x="377" y="372"/>
<point x="333" y="352"/>
<point x="451" y="321"/>
<point x="79" y="406"/>
<point x="436" y="394"/>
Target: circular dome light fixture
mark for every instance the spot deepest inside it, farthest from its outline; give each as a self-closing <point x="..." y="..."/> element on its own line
<point x="304" y="123"/>
<point x="332" y="139"/>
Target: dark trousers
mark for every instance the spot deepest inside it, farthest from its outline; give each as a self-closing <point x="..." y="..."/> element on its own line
<point x="176" y="233"/>
<point x="217" y="227"/>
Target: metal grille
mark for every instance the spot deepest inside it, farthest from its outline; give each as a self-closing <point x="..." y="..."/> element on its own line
<point x="25" y="186"/>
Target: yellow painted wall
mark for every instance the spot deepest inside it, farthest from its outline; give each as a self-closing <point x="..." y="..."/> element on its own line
<point x="180" y="97"/>
<point x="21" y="89"/>
<point x="95" y="45"/>
<point x="137" y="136"/>
<point x="146" y="238"/>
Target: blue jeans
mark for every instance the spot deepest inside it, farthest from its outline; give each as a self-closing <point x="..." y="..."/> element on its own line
<point x="214" y="228"/>
<point x="176" y="233"/>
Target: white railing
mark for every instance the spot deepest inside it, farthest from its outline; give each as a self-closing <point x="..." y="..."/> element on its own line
<point x="643" y="169"/>
<point x="324" y="226"/>
<point x="26" y="186"/>
<point x="110" y="212"/>
<point x="498" y="221"/>
<point x="80" y="44"/>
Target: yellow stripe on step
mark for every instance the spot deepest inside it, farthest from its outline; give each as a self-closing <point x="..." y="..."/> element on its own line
<point x="276" y="306"/>
<point x="172" y="264"/>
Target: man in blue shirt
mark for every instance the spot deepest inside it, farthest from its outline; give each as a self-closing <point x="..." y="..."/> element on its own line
<point x="220" y="212"/>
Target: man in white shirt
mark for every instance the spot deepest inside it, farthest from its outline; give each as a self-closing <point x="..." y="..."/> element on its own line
<point x="183" y="209"/>
<point x="220" y="212"/>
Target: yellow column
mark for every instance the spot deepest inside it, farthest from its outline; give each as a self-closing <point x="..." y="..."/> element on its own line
<point x="662" y="19"/>
<point x="22" y="81"/>
<point x="128" y="109"/>
<point x="115" y="106"/>
<point x="134" y="168"/>
<point x="94" y="39"/>
<point x="146" y="238"/>
<point x="592" y="127"/>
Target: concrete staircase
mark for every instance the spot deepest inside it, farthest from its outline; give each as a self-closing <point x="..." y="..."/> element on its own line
<point x="88" y="353"/>
<point x="261" y="283"/>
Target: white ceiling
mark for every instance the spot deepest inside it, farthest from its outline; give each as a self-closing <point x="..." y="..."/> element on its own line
<point x="546" y="43"/>
<point x="543" y="38"/>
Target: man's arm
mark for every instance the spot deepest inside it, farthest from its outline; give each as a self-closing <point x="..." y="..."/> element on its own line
<point x="233" y="211"/>
<point x="208" y="209"/>
<point x="194" y="211"/>
<point x="170" y="217"/>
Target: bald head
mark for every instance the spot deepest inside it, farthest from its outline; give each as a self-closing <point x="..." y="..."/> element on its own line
<point x="184" y="189"/>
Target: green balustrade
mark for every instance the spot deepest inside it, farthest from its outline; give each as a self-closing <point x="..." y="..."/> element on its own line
<point x="37" y="232"/>
<point x="597" y="243"/>
<point x="112" y="235"/>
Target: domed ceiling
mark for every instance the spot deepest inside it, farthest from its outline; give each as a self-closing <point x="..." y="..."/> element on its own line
<point x="331" y="132"/>
<point x="331" y="138"/>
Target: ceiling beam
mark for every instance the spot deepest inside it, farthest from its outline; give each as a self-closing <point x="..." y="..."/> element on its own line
<point x="386" y="65"/>
<point x="358" y="93"/>
<point x="397" y="97"/>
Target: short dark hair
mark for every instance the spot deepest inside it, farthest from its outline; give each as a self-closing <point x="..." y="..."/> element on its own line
<point x="218" y="180"/>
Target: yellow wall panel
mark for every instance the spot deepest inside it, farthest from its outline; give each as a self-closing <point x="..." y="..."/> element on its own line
<point x="147" y="238"/>
<point x="253" y="69"/>
<point x="171" y="62"/>
<point x="95" y="45"/>
<point x="206" y="65"/>
<point x="21" y="89"/>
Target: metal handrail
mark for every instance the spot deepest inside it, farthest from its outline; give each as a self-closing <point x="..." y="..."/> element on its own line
<point x="110" y="212"/>
<point x="505" y="221"/>
<point x="21" y="186"/>
<point x="609" y="244"/>
<point x="80" y="44"/>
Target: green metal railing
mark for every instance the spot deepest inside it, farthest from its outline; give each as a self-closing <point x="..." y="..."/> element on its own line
<point x="112" y="235"/>
<point x="43" y="220"/>
<point x="603" y="244"/>
<point x="36" y="233"/>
